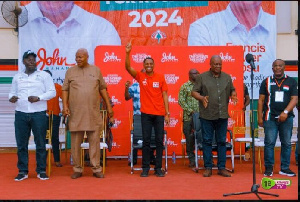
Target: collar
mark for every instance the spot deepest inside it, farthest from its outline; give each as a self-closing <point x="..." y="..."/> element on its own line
<point x="232" y="22"/>
<point x="148" y="75"/>
<point x="36" y="71"/>
<point x="75" y="15"/>
<point x="283" y="77"/>
<point x="212" y="75"/>
<point x="190" y="83"/>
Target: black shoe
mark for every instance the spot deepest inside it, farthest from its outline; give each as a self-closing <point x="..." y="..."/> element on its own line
<point x="21" y="177"/>
<point x="159" y="173"/>
<point x="296" y="162"/>
<point x="43" y="176"/>
<point x="287" y="172"/>
<point x="269" y="171"/>
<point x="144" y="173"/>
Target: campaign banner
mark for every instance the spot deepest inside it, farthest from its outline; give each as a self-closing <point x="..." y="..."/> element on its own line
<point x="57" y="29"/>
<point x="174" y="62"/>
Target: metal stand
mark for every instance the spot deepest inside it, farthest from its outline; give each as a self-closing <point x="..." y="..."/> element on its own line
<point x="254" y="188"/>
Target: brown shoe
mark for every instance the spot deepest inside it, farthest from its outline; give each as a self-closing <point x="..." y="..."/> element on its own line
<point x="98" y="175"/>
<point x="76" y="175"/>
<point x="207" y="172"/>
<point x="224" y="173"/>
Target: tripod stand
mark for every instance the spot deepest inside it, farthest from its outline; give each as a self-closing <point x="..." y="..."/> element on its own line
<point x="254" y="188"/>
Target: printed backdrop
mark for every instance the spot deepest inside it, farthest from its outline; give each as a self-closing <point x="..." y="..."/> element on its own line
<point x="146" y="23"/>
<point x="152" y="26"/>
<point x="172" y="61"/>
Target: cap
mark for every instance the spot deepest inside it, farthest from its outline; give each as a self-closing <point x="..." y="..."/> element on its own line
<point x="27" y="53"/>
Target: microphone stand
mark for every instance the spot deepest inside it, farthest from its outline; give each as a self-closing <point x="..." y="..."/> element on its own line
<point x="254" y="188"/>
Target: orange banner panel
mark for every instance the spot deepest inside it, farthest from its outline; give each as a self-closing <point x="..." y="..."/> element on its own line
<point x="174" y="63"/>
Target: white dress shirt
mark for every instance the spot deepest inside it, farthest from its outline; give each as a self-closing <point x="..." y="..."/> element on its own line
<point x="80" y="30"/>
<point x="39" y="83"/>
<point x="222" y="28"/>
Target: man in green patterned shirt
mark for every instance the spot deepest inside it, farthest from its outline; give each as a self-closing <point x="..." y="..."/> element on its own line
<point x="189" y="105"/>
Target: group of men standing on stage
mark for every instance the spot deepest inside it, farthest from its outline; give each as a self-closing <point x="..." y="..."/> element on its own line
<point x="207" y="93"/>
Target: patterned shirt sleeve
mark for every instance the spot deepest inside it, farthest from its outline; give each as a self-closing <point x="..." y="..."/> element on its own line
<point x="182" y="99"/>
<point x="131" y="90"/>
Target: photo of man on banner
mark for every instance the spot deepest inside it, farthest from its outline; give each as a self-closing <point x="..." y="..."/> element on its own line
<point x="57" y="29"/>
<point x="241" y="23"/>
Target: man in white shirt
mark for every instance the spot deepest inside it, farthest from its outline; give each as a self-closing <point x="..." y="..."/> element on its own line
<point x="57" y="29"/>
<point x="30" y="91"/>
<point x="241" y="23"/>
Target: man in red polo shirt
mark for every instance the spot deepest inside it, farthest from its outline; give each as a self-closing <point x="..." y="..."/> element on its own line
<point x="154" y="110"/>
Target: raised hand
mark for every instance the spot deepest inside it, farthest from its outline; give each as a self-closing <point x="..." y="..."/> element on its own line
<point x="128" y="47"/>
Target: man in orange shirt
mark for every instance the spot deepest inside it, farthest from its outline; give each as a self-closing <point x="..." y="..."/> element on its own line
<point x="154" y="110"/>
<point x="53" y="105"/>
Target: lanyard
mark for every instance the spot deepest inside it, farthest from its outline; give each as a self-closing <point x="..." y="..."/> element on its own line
<point x="279" y="85"/>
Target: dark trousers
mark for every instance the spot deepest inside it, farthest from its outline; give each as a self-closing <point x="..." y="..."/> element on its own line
<point x="149" y="121"/>
<point x="135" y="151"/>
<point x="190" y="139"/>
<point x="209" y="128"/>
<point x="55" y="137"/>
<point x="24" y="123"/>
<point x="272" y="128"/>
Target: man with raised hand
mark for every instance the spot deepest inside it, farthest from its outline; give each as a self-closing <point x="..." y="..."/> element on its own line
<point x="154" y="109"/>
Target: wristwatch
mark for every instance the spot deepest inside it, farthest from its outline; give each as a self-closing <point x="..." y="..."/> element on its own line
<point x="38" y="98"/>
<point x="286" y="111"/>
<point x="168" y="113"/>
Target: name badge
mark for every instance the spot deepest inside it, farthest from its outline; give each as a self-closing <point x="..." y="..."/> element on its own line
<point x="155" y="84"/>
<point x="279" y="96"/>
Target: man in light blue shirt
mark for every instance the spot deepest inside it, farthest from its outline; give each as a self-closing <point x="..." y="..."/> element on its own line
<point x="133" y="92"/>
<point x="241" y="23"/>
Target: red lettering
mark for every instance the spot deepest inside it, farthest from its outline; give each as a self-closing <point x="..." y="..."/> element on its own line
<point x="54" y="60"/>
<point x="254" y="48"/>
<point x="256" y="57"/>
<point x="247" y="68"/>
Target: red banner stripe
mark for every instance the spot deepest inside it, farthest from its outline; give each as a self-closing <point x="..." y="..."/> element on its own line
<point x="8" y="67"/>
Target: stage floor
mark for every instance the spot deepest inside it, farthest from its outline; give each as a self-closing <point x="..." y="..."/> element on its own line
<point x="180" y="183"/>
